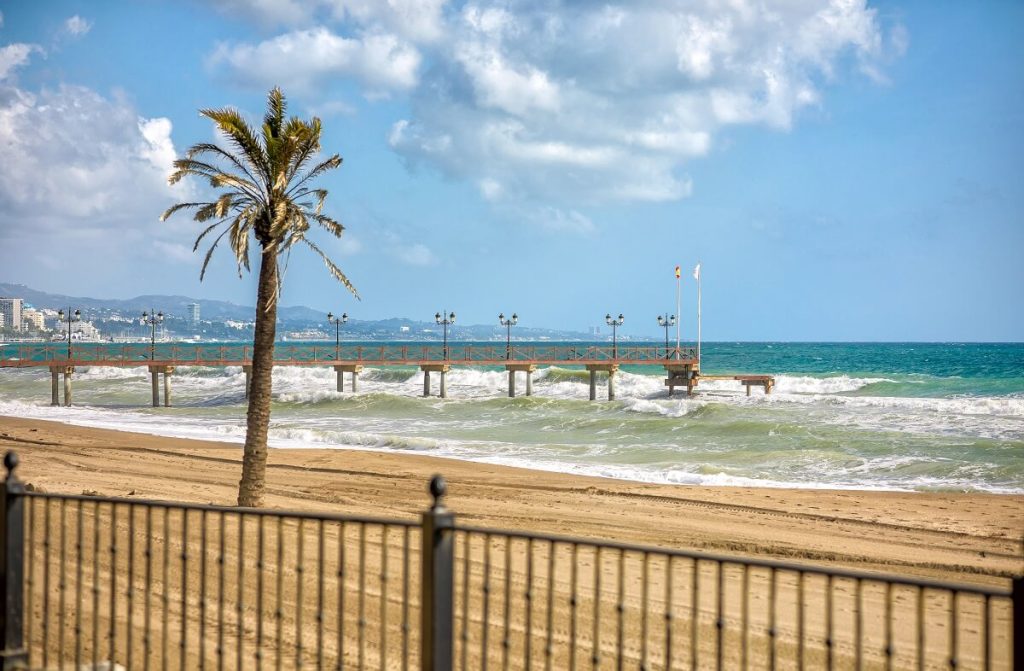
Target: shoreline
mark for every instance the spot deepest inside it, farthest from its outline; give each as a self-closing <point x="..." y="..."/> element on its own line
<point x="973" y="537"/>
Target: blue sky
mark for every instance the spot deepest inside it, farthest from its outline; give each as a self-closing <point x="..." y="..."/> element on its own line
<point x="843" y="171"/>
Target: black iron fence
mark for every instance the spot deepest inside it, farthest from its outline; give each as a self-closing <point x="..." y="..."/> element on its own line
<point x="90" y="582"/>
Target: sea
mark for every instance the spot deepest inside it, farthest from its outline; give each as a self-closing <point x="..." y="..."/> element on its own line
<point x="878" y="416"/>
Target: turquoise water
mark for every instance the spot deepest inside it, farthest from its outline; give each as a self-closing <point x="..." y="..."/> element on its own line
<point x="907" y="416"/>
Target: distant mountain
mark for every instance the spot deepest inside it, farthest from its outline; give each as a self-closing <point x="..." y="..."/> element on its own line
<point x="294" y="317"/>
<point x="171" y="305"/>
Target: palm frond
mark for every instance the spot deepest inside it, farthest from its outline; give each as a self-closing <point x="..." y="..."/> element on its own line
<point x="333" y="269"/>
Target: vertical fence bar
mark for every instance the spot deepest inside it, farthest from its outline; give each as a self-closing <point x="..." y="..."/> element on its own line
<point x="112" y="629"/>
<point x="202" y="590"/>
<point x="486" y="590"/>
<point x="383" y="597"/>
<point x="954" y="601"/>
<point x="149" y="589"/>
<point x="573" y="604"/>
<point x="279" y="595"/>
<point x="240" y="609"/>
<point x="95" y="584"/>
<point x="182" y="661"/>
<point x="79" y="532"/>
<point x="257" y="651"/>
<point x="506" y="642"/>
<point x="437" y="582"/>
<point x="405" y="603"/>
<point x="694" y="612"/>
<point x="299" y="580"/>
<point x="220" y="592"/>
<point x="322" y="561"/>
<point x="131" y="583"/>
<point x="1017" y="603"/>
<point x="549" y="642"/>
<point x="720" y="615"/>
<point x="166" y="600"/>
<point x="595" y="656"/>
<point x="61" y="584"/>
<point x="921" y="593"/>
<point x="30" y="583"/>
<point x="12" y="567"/>
<point x="464" y="637"/>
<point x="341" y="596"/>
<point x="528" y="603"/>
<point x="46" y="584"/>
<point x="361" y="594"/>
<point x="668" y="612"/>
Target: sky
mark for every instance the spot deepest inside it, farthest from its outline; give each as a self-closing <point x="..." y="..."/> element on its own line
<point x="842" y="170"/>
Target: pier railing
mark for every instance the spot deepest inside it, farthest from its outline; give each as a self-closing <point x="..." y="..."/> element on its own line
<point x="177" y="354"/>
<point x="89" y="580"/>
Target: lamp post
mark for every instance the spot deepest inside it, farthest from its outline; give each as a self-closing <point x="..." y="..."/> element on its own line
<point x="615" y="324"/>
<point x="71" y="317"/>
<point x="508" y="324"/>
<point x="666" y="321"/>
<point x="152" y="319"/>
<point x="337" y="321"/>
<point x="443" y="320"/>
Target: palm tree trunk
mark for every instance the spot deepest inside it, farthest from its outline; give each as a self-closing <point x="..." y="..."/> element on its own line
<point x="254" y="456"/>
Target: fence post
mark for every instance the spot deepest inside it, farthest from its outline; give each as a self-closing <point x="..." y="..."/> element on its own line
<point x="12" y="569"/>
<point x="1017" y="597"/>
<point x="436" y="614"/>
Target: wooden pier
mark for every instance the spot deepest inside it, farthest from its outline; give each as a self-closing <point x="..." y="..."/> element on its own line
<point x="681" y="364"/>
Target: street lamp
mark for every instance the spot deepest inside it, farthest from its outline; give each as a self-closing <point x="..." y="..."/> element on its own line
<point x="152" y="319"/>
<point x="508" y="324"/>
<point x="666" y="321"/>
<point x="71" y="317"/>
<point x="337" y="321"/>
<point x="442" y="320"/>
<point x="614" y="323"/>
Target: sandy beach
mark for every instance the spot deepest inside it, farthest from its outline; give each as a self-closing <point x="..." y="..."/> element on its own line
<point x="973" y="537"/>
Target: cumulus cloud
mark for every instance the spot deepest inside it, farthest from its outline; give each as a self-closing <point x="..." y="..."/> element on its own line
<point x="13" y="56"/>
<point x="597" y="102"/>
<point x="78" y="163"/>
<point x="381" y="61"/>
<point x="562" y="104"/>
<point x="416" y="254"/>
<point x="76" y="26"/>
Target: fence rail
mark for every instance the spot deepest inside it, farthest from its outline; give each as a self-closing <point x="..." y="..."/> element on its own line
<point x="89" y="580"/>
<point x="140" y="354"/>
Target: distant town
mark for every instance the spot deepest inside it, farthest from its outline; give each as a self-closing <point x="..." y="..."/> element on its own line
<point x="27" y="315"/>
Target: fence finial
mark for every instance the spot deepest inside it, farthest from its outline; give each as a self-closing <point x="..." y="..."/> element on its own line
<point x="10" y="462"/>
<point x="438" y="489"/>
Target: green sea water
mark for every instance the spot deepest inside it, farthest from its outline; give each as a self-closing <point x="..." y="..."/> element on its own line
<point x="906" y="416"/>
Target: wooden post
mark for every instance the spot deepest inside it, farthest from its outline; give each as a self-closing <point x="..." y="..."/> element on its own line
<point x="593" y="384"/>
<point x="444" y="390"/>
<point x="511" y="383"/>
<point x="529" y="382"/>
<point x="426" y="383"/>
<point x="341" y="378"/>
<point x="54" y="386"/>
<point x="355" y="377"/>
<point x="611" y="384"/>
<point x="248" y="380"/>
<point x="748" y="388"/>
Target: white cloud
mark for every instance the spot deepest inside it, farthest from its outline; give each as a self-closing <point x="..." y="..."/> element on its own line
<point x="416" y="254"/>
<point x="74" y="159"/>
<point x="559" y="104"/>
<point x="382" y="62"/>
<point x="76" y="26"/>
<point x="13" y="56"/>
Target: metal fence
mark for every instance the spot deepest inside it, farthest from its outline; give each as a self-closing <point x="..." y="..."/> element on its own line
<point x="90" y="581"/>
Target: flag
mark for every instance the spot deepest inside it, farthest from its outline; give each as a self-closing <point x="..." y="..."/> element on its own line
<point x="696" y="272"/>
<point x="678" y="274"/>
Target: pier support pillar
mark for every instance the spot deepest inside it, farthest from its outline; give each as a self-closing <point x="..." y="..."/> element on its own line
<point x="167" y="386"/>
<point x="347" y="368"/>
<point x="155" y="379"/>
<point x="154" y="374"/>
<point x="248" y="380"/>
<point x="512" y="369"/>
<point x="441" y="368"/>
<point x="611" y="369"/>
<point x="68" y="372"/>
<point x="54" y="386"/>
<point x="681" y="375"/>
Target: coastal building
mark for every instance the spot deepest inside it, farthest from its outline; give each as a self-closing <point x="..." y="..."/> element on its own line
<point x="33" y="320"/>
<point x="3" y="320"/>
<point x="11" y="309"/>
<point x="193" y="315"/>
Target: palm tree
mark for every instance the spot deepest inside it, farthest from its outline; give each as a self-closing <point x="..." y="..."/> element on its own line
<point x="265" y="190"/>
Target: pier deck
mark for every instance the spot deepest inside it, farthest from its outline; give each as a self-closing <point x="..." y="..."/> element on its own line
<point x="681" y="364"/>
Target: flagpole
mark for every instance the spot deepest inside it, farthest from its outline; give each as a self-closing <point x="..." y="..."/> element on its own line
<point x="679" y="315"/>
<point x="698" y="315"/>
